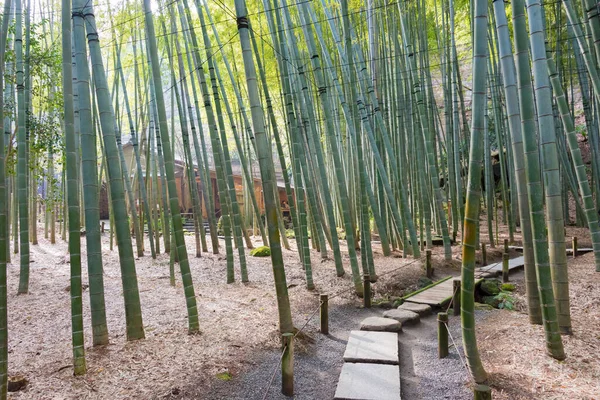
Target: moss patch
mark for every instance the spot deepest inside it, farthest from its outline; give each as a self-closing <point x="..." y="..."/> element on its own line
<point x="224" y="376"/>
<point x="262" y="251"/>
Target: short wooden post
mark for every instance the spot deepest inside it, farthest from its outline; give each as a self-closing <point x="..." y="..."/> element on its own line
<point x="367" y="291"/>
<point x="102" y="226"/>
<point x="442" y="319"/>
<point x="505" y="268"/>
<point x="287" y="365"/>
<point x="324" y="314"/>
<point x="482" y="392"/>
<point x="574" y="246"/>
<point x="428" y="267"/>
<point x="506" y="245"/>
<point x="483" y="255"/>
<point x="456" y="297"/>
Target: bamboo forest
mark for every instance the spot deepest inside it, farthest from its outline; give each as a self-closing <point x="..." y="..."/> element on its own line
<point x="308" y="199"/>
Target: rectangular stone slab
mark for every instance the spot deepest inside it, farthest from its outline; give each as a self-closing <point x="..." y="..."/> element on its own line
<point x="368" y="382"/>
<point x="372" y="347"/>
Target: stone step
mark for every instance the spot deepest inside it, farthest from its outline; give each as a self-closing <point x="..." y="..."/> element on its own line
<point x="368" y="382"/>
<point x="402" y="316"/>
<point x="372" y="347"/>
<point x="380" y="324"/>
<point x="421" y="309"/>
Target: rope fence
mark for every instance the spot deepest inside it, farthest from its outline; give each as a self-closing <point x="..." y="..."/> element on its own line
<point x="316" y="310"/>
<point x="452" y="304"/>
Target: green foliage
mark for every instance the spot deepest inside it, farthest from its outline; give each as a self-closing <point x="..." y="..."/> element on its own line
<point x="262" y="251"/>
<point x="289" y="233"/>
<point x="508" y="287"/>
<point x="424" y="282"/>
<point x="490" y="287"/>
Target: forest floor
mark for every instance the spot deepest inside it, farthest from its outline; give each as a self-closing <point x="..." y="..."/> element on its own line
<point x="239" y="334"/>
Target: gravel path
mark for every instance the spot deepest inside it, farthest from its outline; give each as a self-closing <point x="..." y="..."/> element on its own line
<point x="316" y="370"/>
<point x="423" y="375"/>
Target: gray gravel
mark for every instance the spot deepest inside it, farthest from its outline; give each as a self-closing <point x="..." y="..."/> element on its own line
<point x="423" y="375"/>
<point x="316" y="372"/>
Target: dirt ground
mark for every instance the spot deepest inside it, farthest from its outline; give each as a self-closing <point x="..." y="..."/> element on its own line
<point x="513" y="350"/>
<point x="238" y="321"/>
<point x="239" y="328"/>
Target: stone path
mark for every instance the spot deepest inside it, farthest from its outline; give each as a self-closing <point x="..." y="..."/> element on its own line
<point x="371" y="368"/>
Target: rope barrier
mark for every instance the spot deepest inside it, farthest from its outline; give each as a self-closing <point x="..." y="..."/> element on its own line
<point x="314" y="312"/>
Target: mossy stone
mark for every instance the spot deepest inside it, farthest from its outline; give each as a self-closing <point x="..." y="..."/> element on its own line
<point x="262" y="251"/>
<point x="483" y="307"/>
<point x="492" y="301"/>
<point x="490" y="287"/>
<point x="508" y="287"/>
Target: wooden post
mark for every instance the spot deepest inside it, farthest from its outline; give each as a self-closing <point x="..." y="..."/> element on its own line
<point x="574" y="246"/>
<point x="324" y="314"/>
<point x="442" y="319"/>
<point x="482" y="392"/>
<point x="367" y="291"/>
<point x="483" y="255"/>
<point x="506" y="245"/>
<point x="428" y="267"/>
<point x="287" y="365"/>
<point x="505" y="268"/>
<point x="456" y="297"/>
<point x="102" y="226"/>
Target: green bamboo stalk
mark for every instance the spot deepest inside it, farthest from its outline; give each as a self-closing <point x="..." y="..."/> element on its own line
<point x="471" y="222"/>
<point x="535" y="191"/>
<point x="507" y="63"/>
<point x="133" y="312"/>
<point x="4" y="207"/>
<point x="170" y="173"/>
<point x="550" y="167"/>
<point x="22" y="150"/>
<point x="264" y="153"/>
<point x="79" y="367"/>
<point x="89" y="169"/>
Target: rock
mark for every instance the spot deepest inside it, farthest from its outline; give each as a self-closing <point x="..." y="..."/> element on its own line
<point x="368" y="382"/>
<point x="483" y="307"/>
<point x="490" y="287"/>
<point x="380" y="324"/>
<point x="508" y="287"/>
<point x="16" y="383"/>
<point x="262" y="251"/>
<point x="492" y="301"/>
<point x="423" y="282"/>
<point x="421" y="309"/>
<point x="403" y="316"/>
<point x="372" y="347"/>
<point x="383" y="303"/>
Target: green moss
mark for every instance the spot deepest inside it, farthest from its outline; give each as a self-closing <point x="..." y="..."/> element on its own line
<point x="490" y="287"/>
<point x="262" y="251"/>
<point x="289" y="233"/>
<point x="224" y="376"/>
<point x="424" y="282"/>
<point x="483" y="307"/>
<point x="508" y="287"/>
<point x="341" y="233"/>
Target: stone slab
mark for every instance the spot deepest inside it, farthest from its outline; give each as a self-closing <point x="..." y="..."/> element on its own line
<point x="372" y="347"/>
<point x="421" y="309"/>
<point x="402" y="316"/>
<point x="380" y="324"/>
<point x="368" y="382"/>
